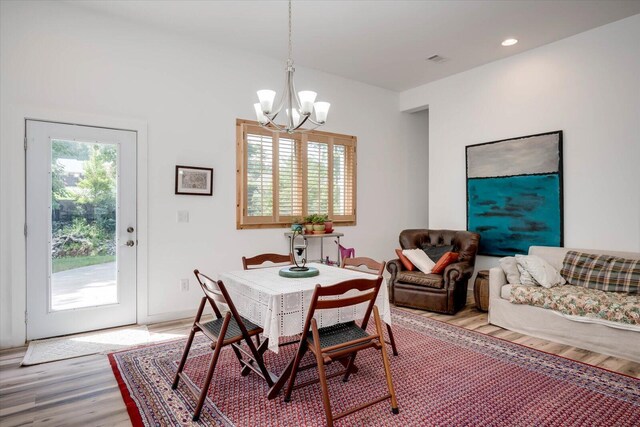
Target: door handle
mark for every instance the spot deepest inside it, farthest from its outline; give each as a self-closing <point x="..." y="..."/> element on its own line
<point x="129" y="229"/>
<point x="130" y="243"/>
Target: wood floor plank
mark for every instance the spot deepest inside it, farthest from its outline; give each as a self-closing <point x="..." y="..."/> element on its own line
<point x="46" y="394"/>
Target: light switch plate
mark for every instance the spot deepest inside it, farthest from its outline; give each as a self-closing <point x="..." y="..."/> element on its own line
<point x="183" y="216"/>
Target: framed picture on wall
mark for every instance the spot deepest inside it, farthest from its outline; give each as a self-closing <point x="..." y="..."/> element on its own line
<point x="194" y="180"/>
<point x="514" y="193"/>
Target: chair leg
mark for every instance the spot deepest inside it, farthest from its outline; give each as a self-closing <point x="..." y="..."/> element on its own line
<point x="257" y="356"/>
<point x="187" y="347"/>
<point x="323" y="378"/>
<point x="244" y="371"/>
<point x="302" y="349"/>
<point x="207" y="381"/>
<point x="385" y="361"/>
<point x="183" y="361"/>
<point x="212" y="367"/>
<point x="392" y="340"/>
<point x="349" y="368"/>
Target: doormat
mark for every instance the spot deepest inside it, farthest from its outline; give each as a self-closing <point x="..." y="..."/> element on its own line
<point x="68" y="347"/>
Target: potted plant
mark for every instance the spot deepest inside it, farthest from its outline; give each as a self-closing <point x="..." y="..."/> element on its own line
<point x="297" y="224"/>
<point x="318" y="223"/>
<point x="308" y="223"/>
<point x="328" y="225"/>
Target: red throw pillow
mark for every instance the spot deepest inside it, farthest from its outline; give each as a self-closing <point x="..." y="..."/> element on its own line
<point x="446" y="259"/>
<point x="404" y="260"/>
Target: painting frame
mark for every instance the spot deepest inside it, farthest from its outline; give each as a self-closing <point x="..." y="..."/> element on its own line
<point x="554" y="192"/>
<point x="197" y="187"/>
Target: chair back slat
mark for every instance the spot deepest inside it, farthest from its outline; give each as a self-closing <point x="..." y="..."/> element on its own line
<point x="212" y="291"/>
<point x="373" y="266"/>
<point x="262" y="258"/>
<point x="324" y="304"/>
<point x="210" y="287"/>
<point x="344" y="287"/>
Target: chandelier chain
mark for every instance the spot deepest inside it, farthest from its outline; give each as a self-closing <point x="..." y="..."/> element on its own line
<point x="290" y="31"/>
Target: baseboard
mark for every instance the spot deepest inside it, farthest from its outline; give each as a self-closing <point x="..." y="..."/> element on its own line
<point x="167" y="317"/>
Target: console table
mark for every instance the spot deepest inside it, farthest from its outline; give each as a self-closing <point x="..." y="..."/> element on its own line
<point x="289" y="235"/>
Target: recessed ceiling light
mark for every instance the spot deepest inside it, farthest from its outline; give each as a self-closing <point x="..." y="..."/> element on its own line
<point x="509" y="42"/>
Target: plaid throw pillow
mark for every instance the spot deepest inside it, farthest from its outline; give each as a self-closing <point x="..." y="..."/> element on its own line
<point x="603" y="272"/>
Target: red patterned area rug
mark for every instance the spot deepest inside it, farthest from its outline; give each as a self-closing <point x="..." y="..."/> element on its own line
<point x="444" y="375"/>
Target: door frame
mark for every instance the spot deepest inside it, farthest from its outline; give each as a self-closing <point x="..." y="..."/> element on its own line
<point x="43" y="320"/>
<point x="16" y="131"/>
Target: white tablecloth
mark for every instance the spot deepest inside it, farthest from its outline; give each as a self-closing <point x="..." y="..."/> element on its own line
<point x="279" y="305"/>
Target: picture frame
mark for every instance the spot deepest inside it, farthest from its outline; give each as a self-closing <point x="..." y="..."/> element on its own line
<point x="194" y="180"/>
<point x="515" y="193"/>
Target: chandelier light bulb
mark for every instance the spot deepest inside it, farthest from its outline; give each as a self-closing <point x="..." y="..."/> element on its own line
<point x="266" y="98"/>
<point x="322" y="109"/>
<point x="262" y="119"/>
<point x="307" y="98"/>
<point x="296" y="116"/>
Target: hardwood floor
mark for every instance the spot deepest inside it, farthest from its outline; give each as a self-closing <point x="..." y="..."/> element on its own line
<point x="84" y="392"/>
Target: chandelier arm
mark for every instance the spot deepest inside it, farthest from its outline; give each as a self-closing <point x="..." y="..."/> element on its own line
<point x="277" y="127"/>
<point x="289" y="100"/>
<point x="272" y="116"/>
<point x="306" y="117"/>
<point x="318" y="124"/>
<point x="275" y="112"/>
<point x="295" y="95"/>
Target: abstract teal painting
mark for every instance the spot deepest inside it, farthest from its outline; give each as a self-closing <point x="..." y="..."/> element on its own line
<point x="514" y="193"/>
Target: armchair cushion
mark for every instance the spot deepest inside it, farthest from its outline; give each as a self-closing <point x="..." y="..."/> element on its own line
<point x="436" y="252"/>
<point x="420" y="259"/>
<point x="435" y="281"/>
<point x="404" y="260"/>
<point x="444" y="261"/>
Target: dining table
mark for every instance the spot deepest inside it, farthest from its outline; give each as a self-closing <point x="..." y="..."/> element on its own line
<point x="279" y="305"/>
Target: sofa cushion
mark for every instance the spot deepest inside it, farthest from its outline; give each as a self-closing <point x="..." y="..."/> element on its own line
<point x="510" y="268"/>
<point x="418" y="278"/>
<point x="579" y="301"/>
<point x="542" y="272"/>
<point x="526" y="278"/>
<point x="603" y="272"/>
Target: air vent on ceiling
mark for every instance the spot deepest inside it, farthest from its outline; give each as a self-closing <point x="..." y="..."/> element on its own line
<point x="437" y="59"/>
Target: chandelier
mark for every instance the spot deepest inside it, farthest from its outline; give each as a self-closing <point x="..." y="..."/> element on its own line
<point x="297" y="106"/>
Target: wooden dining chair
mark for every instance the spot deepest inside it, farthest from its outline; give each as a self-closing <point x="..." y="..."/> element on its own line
<point x="262" y="258"/>
<point x="377" y="268"/>
<point x="341" y="341"/>
<point x="230" y="329"/>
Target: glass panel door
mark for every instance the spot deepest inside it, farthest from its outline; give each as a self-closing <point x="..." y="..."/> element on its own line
<point x="81" y="228"/>
<point x="83" y="224"/>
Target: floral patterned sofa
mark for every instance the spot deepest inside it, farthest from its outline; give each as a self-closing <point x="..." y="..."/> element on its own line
<point x="605" y="322"/>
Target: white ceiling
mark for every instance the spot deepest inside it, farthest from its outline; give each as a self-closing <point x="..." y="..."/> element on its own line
<point x="383" y="43"/>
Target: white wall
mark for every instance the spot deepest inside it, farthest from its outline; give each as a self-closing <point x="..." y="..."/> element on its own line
<point x="588" y="86"/>
<point x="54" y="57"/>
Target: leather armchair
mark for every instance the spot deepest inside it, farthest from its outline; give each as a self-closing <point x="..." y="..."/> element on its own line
<point x="442" y="293"/>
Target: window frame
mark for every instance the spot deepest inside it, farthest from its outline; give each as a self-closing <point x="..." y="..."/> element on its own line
<point x="244" y="221"/>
